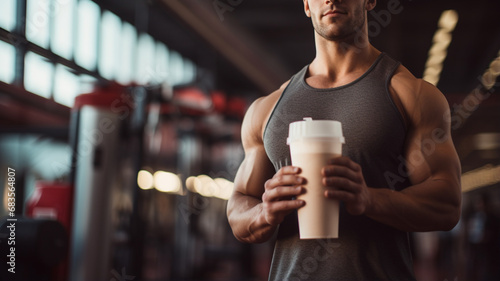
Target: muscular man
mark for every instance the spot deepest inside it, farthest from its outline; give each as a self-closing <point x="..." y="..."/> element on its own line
<point x="399" y="171"/>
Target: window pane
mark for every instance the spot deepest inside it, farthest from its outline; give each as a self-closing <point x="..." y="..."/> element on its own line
<point x="67" y="86"/>
<point x="37" y="75"/>
<point x="7" y="59"/>
<point x="37" y="22"/>
<point x="8" y="14"/>
<point x="87" y="84"/>
<point x="110" y="38"/>
<point x="161" y="61"/>
<point x="176" y="69"/>
<point x="145" y="59"/>
<point x="86" y="46"/>
<point x="127" y="51"/>
<point x="62" y="38"/>
<point x="189" y="71"/>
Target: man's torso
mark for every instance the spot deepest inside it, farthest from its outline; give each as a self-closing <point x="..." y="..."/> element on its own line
<point x="375" y="134"/>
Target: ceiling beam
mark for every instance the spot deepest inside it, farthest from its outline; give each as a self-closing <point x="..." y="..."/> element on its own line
<point x="243" y="52"/>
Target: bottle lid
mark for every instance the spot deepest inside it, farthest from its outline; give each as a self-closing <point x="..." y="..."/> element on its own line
<point x="309" y="128"/>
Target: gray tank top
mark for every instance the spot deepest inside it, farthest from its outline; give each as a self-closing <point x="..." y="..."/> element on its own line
<point x="375" y="135"/>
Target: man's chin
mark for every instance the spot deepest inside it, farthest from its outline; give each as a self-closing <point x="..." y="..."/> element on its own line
<point x="334" y="35"/>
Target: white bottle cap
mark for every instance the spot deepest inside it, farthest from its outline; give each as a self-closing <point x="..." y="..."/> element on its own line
<point x="310" y="128"/>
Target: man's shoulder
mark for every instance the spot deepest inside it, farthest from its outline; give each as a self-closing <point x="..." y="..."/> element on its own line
<point x="404" y="80"/>
<point x="274" y="96"/>
<point x="266" y="103"/>
<point x="406" y="85"/>
<point x="417" y="96"/>
<point x="259" y="112"/>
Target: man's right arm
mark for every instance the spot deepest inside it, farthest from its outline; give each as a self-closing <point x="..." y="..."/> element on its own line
<point x="260" y="199"/>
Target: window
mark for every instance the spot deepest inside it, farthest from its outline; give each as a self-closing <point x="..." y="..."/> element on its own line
<point x="127" y="54"/>
<point x="7" y="59"/>
<point x="86" y="41"/>
<point x="176" y="69"/>
<point x="38" y="22"/>
<point x="110" y="45"/>
<point x="145" y="59"/>
<point x="66" y="86"/>
<point x="86" y="83"/>
<point x="62" y="35"/>
<point x="38" y="75"/>
<point x="161" y="61"/>
<point x="8" y="15"/>
<point x="97" y="40"/>
<point x="189" y="71"/>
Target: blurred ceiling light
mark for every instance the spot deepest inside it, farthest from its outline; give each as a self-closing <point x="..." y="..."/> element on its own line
<point x="488" y="80"/>
<point x="491" y="74"/>
<point x="225" y="188"/>
<point x="448" y="20"/>
<point x="191" y="182"/>
<point x="206" y="186"/>
<point x="487" y="141"/>
<point x="484" y="176"/>
<point x="439" y="50"/>
<point x="167" y="182"/>
<point x="145" y="179"/>
<point x="495" y="66"/>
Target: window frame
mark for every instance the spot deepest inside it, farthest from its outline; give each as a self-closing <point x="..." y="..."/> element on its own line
<point x="17" y="38"/>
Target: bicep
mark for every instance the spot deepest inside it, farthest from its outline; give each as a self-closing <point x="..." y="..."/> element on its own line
<point x="431" y="155"/>
<point x="256" y="168"/>
<point x="253" y="172"/>
<point x="430" y="152"/>
<point x="434" y="172"/>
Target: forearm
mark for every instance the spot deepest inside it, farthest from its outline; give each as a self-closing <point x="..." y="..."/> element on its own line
<point x="433" y="205"/>
<point x="246" y="219"/>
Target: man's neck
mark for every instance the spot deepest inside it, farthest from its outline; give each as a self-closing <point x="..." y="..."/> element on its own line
<point x="338" y="59"/>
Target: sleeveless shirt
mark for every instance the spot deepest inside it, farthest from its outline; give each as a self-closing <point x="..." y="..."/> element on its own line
<point x="374" y="132"/>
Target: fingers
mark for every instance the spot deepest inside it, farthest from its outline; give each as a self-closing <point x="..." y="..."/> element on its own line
<point x="286" y="176"/>
<point x="289" y="170"/>
<point x="341" y="171"/>
<point x="346" y="162"/>
<point x="284" y="185"/>
<point x="354" y="205"/>
<point x="275" y="211"/>
<point x="282" y="192"/>
<point x="341" y="183"/>
<point x="340" y="195"/>
<point x="345" y="182"/>
<point x="342" y="178"/>
<point x="277" y="199"/>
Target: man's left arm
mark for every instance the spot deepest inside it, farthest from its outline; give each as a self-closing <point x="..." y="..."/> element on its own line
<point x="433" y="200"/>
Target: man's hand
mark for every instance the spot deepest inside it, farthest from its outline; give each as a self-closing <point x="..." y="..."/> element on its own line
<point x="344" y="180"/>
<point x="279" y="190"/>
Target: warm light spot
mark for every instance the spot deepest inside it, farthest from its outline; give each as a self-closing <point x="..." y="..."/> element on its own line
<point x="439" y="50"/>
<point x="167" y="182"/>
<point x="145" y="179"/>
